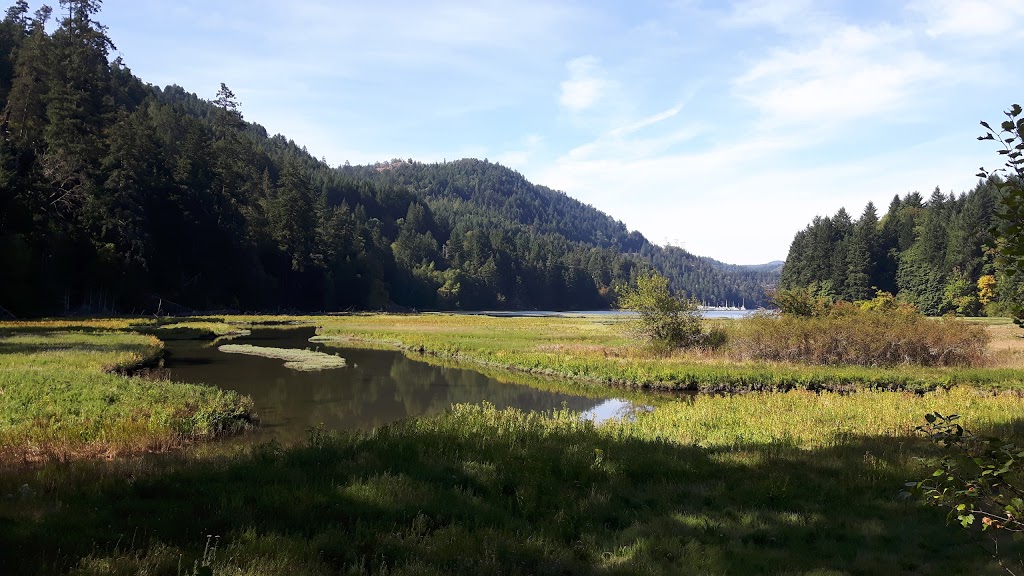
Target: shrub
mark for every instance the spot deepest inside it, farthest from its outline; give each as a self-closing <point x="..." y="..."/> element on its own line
<point x="886" y="302"/>
<point x="812" y="300"/>
<point x="889" y="336"/>
<point x="666" y="320"/>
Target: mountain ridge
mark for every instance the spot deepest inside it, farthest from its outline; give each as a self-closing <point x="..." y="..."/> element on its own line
<point x="120" y="196"/>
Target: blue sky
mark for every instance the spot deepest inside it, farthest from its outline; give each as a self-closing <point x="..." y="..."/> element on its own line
<point x="721" y="127"/>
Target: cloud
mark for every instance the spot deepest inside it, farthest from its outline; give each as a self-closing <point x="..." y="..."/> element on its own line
<point x="585" y="84"/>
<point x="852" y="73"/>
<point x="970" y="18"/>
<point x="646" y="122"/>
<point x="791" y="16"/>
<point x="743" y="202"/>
<point x="520" y="157"/>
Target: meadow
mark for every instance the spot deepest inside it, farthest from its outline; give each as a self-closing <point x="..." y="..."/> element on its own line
<point x="786" y="478"/>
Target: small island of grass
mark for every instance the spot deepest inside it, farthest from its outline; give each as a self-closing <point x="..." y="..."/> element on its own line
<point x="305" y="360"/>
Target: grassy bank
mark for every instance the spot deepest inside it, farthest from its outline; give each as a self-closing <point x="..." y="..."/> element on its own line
<point x="595" y="349"/>
<point x="478" y="491"/>
<point x="63" y="394"/>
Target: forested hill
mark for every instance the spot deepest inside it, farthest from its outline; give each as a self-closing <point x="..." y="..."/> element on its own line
<point x="935" y="253"/>
<point x="117" y="196"/>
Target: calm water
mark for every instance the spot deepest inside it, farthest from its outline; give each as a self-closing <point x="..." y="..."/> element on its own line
<point x="376" y="388"/>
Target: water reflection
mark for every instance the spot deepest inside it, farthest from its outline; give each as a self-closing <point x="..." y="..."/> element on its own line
<point x="614" y="409"/>
<point x="377" y="387"/>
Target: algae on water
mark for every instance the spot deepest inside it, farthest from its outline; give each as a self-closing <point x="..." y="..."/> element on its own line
<point x="305" y="360"/>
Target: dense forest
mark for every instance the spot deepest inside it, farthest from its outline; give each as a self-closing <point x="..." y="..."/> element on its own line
<point x="119" y="196"/>
<point x="937" y="253"/>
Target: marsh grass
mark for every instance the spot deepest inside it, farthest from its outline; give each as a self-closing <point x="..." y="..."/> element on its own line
<point x="64" y="394"/>
<point x="302" y="360"/>
<point x="767" y="482"/>
<point x="597" y="350"/>
<point x="772" y="490"/>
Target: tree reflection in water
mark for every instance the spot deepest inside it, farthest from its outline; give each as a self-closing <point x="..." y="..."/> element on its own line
<point x="376" y="388"/>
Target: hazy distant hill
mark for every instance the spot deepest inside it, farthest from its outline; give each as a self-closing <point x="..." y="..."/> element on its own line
<point x="118" y="196"/>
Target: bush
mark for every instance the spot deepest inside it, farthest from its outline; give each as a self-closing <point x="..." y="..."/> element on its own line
<point x="666" y="321"/>
<point x="887" y="336"/>
<point x="812" y="300"/>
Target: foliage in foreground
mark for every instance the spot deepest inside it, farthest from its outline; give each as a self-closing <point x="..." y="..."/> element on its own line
<point x="484" y="491"/>
<point x="1010" y="139"/>
<point x="979" y="479"/>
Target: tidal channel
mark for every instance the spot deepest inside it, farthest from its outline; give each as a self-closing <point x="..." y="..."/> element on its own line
<point x="375" y="388"/>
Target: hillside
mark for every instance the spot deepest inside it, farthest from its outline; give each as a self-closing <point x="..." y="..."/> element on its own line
<point x="118" y="196"/>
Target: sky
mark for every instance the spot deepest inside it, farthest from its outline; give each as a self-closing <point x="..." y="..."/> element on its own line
<point x="721" y="127"/>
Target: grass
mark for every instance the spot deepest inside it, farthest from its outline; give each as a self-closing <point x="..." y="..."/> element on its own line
<point x="595" y="349"/>
<point x="65" y="394"/>
<point x="304" y="360"/>
<point x="769" y="482"/>
<point x="772" y="490"/>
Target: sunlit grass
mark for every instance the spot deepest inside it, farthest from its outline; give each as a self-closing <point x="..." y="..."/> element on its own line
<point x="61" y="396"/>
<point x="597" y="349"/>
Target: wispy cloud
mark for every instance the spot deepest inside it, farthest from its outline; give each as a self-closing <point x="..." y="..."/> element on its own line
<point x="728" y="125"/>
<point x="519" y="157"/>
<point x="852" y="73"/>
<point x="646" y="122"/>
<point x="585" y="85"/>
<point x="971" y="18"/>
<point x="790" y="16"/>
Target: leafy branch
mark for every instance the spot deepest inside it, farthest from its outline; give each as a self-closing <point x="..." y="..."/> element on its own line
<point x="1010" y="137"/>
<point x="980" y="479"/>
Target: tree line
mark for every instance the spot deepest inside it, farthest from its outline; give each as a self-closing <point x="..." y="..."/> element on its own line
<point x="940" y="253"/>
<point x="119" y="196"/>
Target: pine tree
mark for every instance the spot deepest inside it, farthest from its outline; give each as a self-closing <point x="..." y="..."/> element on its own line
<point x="292" y="218"/>
<point x="78" y="105"/>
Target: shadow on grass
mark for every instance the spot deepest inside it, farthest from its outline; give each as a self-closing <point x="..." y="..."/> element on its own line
<point x="485" y="492"/>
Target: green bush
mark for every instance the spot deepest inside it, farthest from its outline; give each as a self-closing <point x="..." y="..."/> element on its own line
<point x="812" y="300"/>
<point x="666" y="321"/>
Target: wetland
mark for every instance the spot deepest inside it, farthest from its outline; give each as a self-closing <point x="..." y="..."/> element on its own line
<point x="469" y="444"/>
